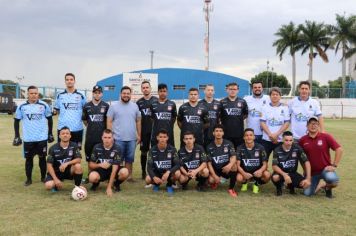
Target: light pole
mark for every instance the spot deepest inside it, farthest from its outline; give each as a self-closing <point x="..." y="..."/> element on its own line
<point x="267" y="73"/>
<point x="152" y="52"/>
<point x="272" y="77"/>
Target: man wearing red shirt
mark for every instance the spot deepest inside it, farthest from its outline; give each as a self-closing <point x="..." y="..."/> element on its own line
<point x="317" y="147"/>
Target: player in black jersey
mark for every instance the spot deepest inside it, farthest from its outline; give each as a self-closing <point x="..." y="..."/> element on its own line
<point x="94" y="118"/>
<point x="144" y="104"/>
<point x="105" y="163"/>
<point x="193" y="160"/>
<point x="193" y="117"/>
<point x="63" y="162"/>
<point x="221" y="160"/>
<point x="251" y="162"/>
<point x="285" y="165"/>
<point x="164" y="114"/>
<point x="162" y="163"/>
<point x="213" y="107"/>
<point x="233" y="112"/>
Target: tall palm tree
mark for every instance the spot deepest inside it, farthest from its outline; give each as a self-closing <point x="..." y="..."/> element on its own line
<point x="315" y="40"/>
<point x="288" y="39"/>
<point x="343" y="34"/>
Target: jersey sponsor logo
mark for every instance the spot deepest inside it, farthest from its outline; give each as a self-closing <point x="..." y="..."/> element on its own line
<point x="71" y="106"/>
<point x="163" y="115"/>
<point x="96" y="118"/>
<point x="233" y="111"/>
<point x="146" y="111"/>
<point x="65" y="160"/>
<point x="300" y="117"/>
<point x="34" y="116"/>
<point x="254" y="113"/>
<point x="288" y="164"/>
<point x="163" y="164"/>
<point x="104" y="160"/>
<point x="274" y="122"/>
<point x="212" y="115"/>
<point x="192" y="119"/>
<point x="251" y="162"/>
<point x="320" y="142"/>
<point x="221" y="159"/>
<point x="192" y="164"/>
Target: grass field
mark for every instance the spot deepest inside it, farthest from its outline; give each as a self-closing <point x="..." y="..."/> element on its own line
<point x="138" y="211"/>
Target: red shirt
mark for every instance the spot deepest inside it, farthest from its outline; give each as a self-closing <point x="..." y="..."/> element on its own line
<point x="318" y="150"/>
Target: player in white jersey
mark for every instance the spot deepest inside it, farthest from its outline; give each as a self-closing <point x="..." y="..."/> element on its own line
<point x="274" y="121"/>
<point x="255" y="102"/>
<point x="301" y="109"/>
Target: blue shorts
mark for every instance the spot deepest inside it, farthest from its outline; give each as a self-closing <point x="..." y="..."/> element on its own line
<point x="330" y="177"/>
<point x="127" y="149"/>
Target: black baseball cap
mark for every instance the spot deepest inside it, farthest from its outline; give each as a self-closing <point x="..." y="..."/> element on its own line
<point x="97" y="88"/>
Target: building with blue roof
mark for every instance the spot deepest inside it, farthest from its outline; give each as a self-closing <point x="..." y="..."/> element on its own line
<point x="179" y="81"/>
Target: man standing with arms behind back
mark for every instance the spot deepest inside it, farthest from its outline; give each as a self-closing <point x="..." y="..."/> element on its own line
<point x="144" y="104"/>
<point x="233" y="112"/>
<point x="255" y="102"/>
<point x="69" y="104"/>
<point x="124" y="119"/>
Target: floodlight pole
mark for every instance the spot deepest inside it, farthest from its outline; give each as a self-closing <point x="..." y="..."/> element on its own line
<point x="151" y="52"/>
<point x="207" y="9"/>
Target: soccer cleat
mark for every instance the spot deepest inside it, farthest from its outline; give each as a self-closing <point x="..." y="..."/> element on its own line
<point x="85" y="181"/>
<point x="185" y="186"/>
<point x="170" y="190"/>
<point x="175" y="186"/>
<point x="232" y="192"/>
<point x="27" y="182"/>
<point x="223" y="180"/>
<point x="43" y="179"/>
<point x="244" y="187"/>
<point x="255" y="189"/>
<point x="328" y="193"/>
<point x="148" y="185"/>
<point x="54" y="190"/>
<point x="201" y="188"/>
<point x="94" y="186"/>
<point x="117" y="188"/>
<point x="279" y="192"/>
<point x="155" y="188"/>
<point x="291" y="190"/>
<point x="214" y="186"/>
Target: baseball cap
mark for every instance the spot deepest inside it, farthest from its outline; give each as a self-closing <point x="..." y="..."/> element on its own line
<point x="313" y="118"/>
<point x="97" y="88"/>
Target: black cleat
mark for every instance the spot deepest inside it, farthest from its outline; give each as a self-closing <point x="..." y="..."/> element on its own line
<point x="184" y="187"/>
<point x="117" y="188"/>
<point x="328" y="193"/>
<point x="201" y="188"/>
<point x="279" y="192"/>
<point x="43" y="179"/>
<point x="28" y="182"/>
<point x="94" y="186"/>
<point x="291" y="190"/>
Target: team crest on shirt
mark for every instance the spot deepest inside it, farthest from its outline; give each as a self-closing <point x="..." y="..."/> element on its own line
<point x="257" y="153"/>
<point x="239" y="104"/>
<point x="77" y="98"/>
<point x="70" y="153"/>
<point x="225" y="149"/>
<point x="169" y="155"/>
<point x="294" y="154"/>
<point x="102" y="110"/>
<point x="112" y="154"/>
<point x="197" y="155"/>
<point x="199" y="112"/>
<point x="41" y="108"/>
<point x="310" y="107"/>
<point x="169" y="108"/>
<point x="215" y="107"/>
<point x="320" y="142"/>
<point x="264" y="102"/>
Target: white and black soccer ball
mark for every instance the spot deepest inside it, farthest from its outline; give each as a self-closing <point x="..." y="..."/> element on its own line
<point x="79" y="193"/>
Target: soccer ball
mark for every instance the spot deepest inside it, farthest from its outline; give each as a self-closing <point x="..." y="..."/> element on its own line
<point x="79" y="193"/>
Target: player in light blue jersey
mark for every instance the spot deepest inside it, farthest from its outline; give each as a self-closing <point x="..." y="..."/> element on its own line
<point x="69" y="104"/>
<point x="37" y="126"/>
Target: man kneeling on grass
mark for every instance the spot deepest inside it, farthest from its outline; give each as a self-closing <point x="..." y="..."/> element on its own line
<point x="251" y="163"/>
<point x="63" y="162"/>
<point x="162" y="163"/>
<point x="193" y="162"/>
<point x="105" y="163"/>
<point x="285" y="165"/>
<point x="221" y="160"/>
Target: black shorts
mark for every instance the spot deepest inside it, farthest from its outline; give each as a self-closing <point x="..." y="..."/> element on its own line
<point x="236" y="141"/>
<point x="30" y="149"/>
<point x="145" y="142"/>
<point x="222" y="174"/>
<point x="269" y="147"/>
<point x="103" y="173"/>
<point x="160" y="174"/>
<point x="295" y="177"/>
<point x="61" y="175"/>
<point x="88" y="148"/>
<point x="76" y="136"/>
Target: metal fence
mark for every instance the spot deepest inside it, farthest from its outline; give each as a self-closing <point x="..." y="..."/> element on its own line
<point x="322" y="92"/>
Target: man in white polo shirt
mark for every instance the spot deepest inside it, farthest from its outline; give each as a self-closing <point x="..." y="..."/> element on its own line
<point x="301" y="109"/>
<point x="255" y="102"/>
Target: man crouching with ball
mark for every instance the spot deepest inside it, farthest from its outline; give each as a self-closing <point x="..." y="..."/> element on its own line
<point x="63" y="162"/>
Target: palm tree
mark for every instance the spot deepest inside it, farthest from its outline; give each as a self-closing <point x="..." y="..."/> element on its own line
<point x="343" y="34"/>
<point x="315" y="40"/>
<point x="288" y="39"/>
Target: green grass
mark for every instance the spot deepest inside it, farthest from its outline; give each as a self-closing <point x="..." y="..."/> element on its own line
<point x="138" y="211"/>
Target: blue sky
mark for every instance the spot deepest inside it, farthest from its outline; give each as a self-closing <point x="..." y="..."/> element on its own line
<point x="43" y="39"/>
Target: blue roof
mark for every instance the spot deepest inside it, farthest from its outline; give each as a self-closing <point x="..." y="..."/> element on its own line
<point x="180" y="76"/>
